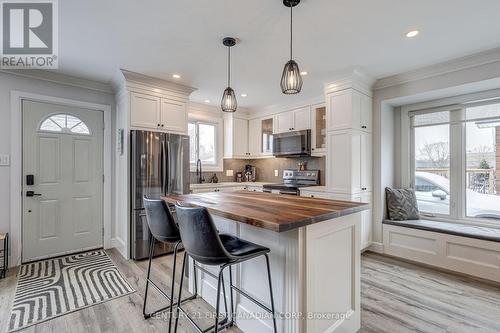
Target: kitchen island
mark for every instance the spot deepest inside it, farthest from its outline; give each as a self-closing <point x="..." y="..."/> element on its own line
<point x="315" y="259"/>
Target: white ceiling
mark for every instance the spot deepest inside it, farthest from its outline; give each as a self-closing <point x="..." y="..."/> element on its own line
<point x="162" y="37"/>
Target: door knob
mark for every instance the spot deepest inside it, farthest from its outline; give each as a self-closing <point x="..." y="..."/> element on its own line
<point x="32" y="194"/>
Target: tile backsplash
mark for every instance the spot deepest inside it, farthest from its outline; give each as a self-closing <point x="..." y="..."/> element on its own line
<point x="265" y="168"/>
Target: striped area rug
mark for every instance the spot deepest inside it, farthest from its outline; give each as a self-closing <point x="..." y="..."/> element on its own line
<point x="51" y="288"/>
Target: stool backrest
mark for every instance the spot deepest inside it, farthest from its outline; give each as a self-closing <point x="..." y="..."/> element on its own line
<point x="200" y="237"/>
<point x="161" y="223"/>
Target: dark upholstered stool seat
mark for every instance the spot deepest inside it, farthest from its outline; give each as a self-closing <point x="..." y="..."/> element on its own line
<point x="241" y="248"/>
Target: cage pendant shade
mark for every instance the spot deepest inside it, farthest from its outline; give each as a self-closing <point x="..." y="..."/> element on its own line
<point x="228" y="103"/>
<point x="291" y="80"/>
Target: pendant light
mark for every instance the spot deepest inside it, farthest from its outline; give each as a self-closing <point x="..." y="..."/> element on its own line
<point x="228" y="103"/>
<point x="291" y="80"/>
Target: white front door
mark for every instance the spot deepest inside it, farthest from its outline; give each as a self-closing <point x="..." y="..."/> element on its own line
<point x="62" y="180"/>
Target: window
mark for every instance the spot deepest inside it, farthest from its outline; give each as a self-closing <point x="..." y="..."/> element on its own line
<point x="202" y="142"/>
<point x="454" y="154"/>
<point x="64" y="123"/>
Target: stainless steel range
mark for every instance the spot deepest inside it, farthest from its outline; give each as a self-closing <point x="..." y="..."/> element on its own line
<point x="293" y="180"/>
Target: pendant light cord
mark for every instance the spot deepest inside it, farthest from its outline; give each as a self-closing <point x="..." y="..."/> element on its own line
<point x="228" y="66"/>
<point x="291" y="30"/>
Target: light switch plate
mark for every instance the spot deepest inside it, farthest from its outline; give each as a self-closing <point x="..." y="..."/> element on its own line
<point x="229" y="173"/>
<point x="4" y="160"/>
<point x="276" y="173"/>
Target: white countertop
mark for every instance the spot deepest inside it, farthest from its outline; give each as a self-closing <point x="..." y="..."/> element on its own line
<point x="227" y="184"/>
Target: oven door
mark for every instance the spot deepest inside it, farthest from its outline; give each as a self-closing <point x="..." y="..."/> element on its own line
<point x="296" y="143"/>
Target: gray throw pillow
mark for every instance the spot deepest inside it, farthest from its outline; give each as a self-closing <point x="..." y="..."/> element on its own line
<point x="401" y="204"/>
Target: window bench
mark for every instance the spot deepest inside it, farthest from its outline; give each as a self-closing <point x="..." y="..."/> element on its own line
<point x="467" y="249"/>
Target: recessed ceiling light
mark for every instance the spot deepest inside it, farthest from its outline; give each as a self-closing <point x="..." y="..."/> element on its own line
<point x="176" y="76"/>
<point x="244" y="95"/>
<point x="207" y="101"/>
<point x="303" y="73"/>
<point x="413" y="33"/>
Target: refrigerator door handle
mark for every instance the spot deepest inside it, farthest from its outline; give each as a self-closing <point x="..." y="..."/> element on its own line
<point x="169" y="158"/>
<point x="163" y="168"/>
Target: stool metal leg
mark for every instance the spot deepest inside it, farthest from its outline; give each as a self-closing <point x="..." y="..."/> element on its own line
<point x="220" y="281"/>
<point x="231" y="323"/>
<point x="180" y="293"/>
<point x="151" y="249"/>
<point x="271" y="292"/>
<point x="172" y="287"/>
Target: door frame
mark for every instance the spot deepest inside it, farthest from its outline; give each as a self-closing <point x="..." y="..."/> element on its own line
<point x="16" y="99"/>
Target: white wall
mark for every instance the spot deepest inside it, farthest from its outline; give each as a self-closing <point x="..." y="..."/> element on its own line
<point x="457" y="77"/>
<point x="9" y="82"/>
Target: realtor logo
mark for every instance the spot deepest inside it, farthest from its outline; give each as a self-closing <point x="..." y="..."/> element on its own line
<point x="29" y="34"/>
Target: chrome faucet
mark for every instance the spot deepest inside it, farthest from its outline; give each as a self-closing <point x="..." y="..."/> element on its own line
<point x="198" y="172"/>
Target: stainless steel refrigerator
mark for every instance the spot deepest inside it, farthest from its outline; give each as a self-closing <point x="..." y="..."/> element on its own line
<point x="159" y="166"/>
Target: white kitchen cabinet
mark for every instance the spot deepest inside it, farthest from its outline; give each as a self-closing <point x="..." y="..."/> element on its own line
<point x="173" y="116"/>
<point x="366" y="215"/>
<point x="314" y="194"/>
<point x="348" y="162"/>
<point x="144" y="111"/>
<point x="254" y="137"/>
<point x="302" y="119"/>
<point x="157" y="113"/>
<point x="235" y="137"/>
<point x="318" y="130"/>
<point x="295" y="120"/>
<point x="349" y="109"/>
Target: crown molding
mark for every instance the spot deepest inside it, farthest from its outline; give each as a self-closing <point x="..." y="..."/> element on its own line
<point x="125" y="78"/>
<point x="454" y="65"/>
<point x="355" y="78"/>
<point x="59" y="78"/>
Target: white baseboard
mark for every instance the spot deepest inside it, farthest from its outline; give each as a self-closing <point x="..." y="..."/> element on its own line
<point x="376" y="247"/>
<point x="475" y="257"/>
<point x="120" y="245"/>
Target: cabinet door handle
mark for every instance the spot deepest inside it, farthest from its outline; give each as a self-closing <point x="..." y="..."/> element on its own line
<point x="162" y="125"/>
<point x="158" y="125"/>
<point x="363" y="126"/>
<point x="363" y="188"/>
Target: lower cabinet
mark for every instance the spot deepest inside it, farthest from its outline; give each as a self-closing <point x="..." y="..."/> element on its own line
<point x="366" y="215"/>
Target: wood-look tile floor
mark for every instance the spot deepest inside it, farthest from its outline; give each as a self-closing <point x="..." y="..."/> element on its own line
<point x="400" y="297"/>
<point x="396" y="297"/>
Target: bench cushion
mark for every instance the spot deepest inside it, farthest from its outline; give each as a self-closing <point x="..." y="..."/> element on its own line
<point x="464" y="230"/>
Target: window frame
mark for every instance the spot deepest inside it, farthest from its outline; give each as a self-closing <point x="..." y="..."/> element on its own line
<point x="218" y="165"/>
<point x="458" y="158"/>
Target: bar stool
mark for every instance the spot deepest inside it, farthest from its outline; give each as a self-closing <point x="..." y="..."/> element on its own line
<point x="205" y="245"/>
<point x="164" y="229"/>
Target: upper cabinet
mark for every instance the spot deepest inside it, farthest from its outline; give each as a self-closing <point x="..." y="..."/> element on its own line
<point x="266" y="136"/>
<point x="295" y="120"/>
<point x="173" y="116"/>
<point x="149" y="103"/>
<point x="235" y="137"/>
<point x="254" y="138"/>
<point x="157" y="113"/>
<point x="349" y="109"/>
<point x="145" y="110"/>
<point x="318" y="133"/>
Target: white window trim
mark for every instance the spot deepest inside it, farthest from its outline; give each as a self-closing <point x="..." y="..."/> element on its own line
<point x="457" y="203"/>
<point x="218" y="123"/>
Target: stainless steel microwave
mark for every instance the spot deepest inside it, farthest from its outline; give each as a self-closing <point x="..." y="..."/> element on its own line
<point x="290" y="144"/>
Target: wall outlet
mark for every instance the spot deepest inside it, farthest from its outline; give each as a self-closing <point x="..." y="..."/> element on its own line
<point x="276" y="173"/>
<point x="229" y="173"/>
<point x="4" y="160"/>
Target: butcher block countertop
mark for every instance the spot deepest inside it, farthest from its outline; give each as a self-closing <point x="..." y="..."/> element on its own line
<point x="270" y="211"/>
